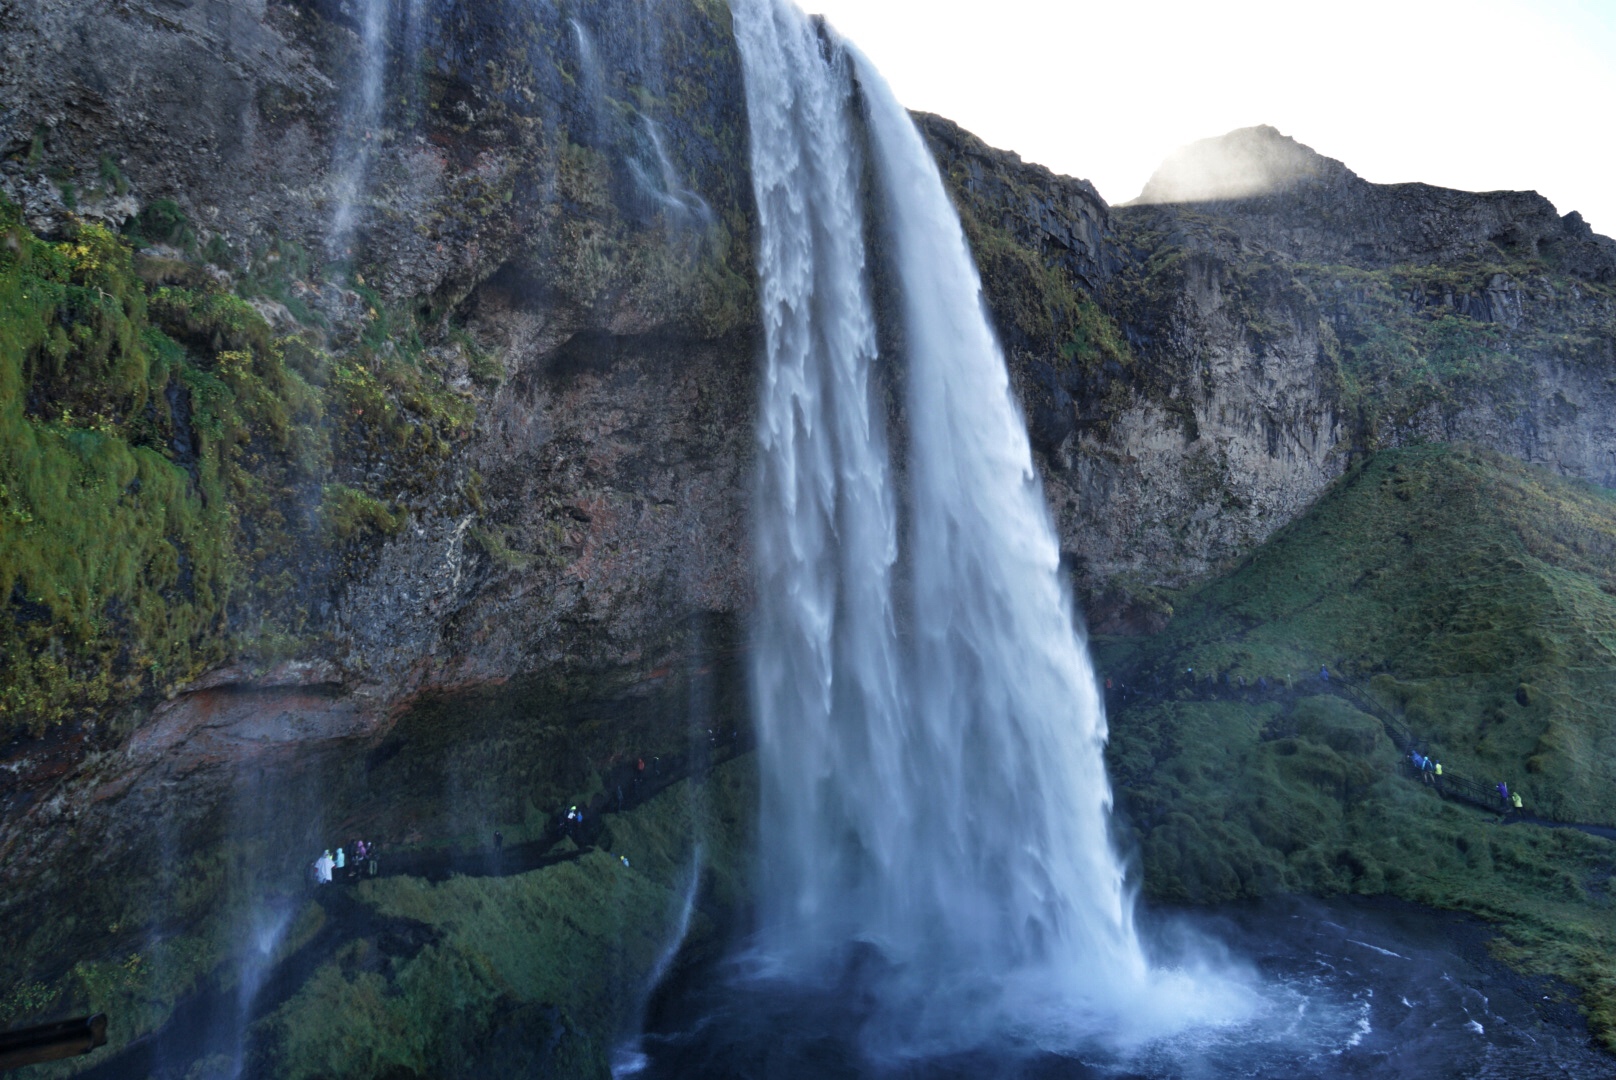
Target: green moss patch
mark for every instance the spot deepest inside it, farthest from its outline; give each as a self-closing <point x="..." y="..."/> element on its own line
<point x="176" y="478"/>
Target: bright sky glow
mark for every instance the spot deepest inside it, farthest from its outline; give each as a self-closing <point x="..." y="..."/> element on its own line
<point x="1475" y="94"/>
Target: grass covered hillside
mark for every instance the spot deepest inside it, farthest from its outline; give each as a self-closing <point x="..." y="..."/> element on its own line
<point x="1471" y="595"/>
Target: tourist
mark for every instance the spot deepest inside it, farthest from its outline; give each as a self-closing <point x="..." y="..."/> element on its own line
<point x="323" y="866"/>
<point x="342" y="864"/>
<point x="499" y="841"/>
<point x="1515" y="800"/>
<point x="1503" y="793"/>
<point x="1324" y="674"/>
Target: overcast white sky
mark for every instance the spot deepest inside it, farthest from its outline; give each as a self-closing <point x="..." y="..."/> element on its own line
<point x="1475" y="94"/>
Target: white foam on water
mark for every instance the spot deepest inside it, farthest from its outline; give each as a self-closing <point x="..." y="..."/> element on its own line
<point x="1377" y="949"/>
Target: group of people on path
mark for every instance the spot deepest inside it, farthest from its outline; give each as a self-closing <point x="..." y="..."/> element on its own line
<point x="339" y="867"/>
<point x="1430" y="769"/>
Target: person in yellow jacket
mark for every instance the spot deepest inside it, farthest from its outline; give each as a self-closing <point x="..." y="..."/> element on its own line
<point x="1515" y="800"/>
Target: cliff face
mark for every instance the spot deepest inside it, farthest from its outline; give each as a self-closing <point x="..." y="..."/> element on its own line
<point x="1284" y="196"/>
<point x="1279" y="319"/>
<point x="517" y="278"/>
<point x="441" y="374"/>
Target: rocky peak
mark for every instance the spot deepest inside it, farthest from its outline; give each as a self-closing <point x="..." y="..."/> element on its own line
<point x="1279" y="194"/>
<point x="1245" y="163"/>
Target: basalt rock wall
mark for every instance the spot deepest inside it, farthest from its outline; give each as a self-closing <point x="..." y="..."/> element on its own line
<point x="559" y="196"/>
<point x="526" y="362"/>
<point x="1262" y="317"/>
<point x="550" y="203"/>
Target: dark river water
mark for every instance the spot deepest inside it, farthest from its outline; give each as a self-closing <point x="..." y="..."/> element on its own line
<point x="1342" y="989"/>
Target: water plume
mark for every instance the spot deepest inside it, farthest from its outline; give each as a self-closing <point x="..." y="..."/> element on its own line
<point x="935" y="806"/>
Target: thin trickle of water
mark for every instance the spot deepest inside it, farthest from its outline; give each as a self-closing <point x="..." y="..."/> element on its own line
<point x="267" y="928"/>
<point x="414" y="39"/>
<point x="937" y="794"/>
<point x="591" y="80"/>
<point x="629" y="1058"/>
<point x="658" y="180"/>
<point x="361" y="123"/>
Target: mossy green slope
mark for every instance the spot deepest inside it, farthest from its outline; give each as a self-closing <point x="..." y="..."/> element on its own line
<point x="1467" y="591"/>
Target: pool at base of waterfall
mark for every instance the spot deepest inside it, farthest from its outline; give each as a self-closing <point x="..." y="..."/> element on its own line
<point x="1341" y="988"/>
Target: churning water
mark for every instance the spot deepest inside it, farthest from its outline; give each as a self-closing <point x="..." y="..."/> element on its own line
<point x="1346" y="990"/>
<point x="930" y="732"/>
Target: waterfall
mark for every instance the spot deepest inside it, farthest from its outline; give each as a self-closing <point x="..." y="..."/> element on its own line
<point x="826" y="672"/>
<point x="592" y="82"/>
<point x="931" y="735"/>
<point x="361" y="123"/>
<point x="628" y="1058"/>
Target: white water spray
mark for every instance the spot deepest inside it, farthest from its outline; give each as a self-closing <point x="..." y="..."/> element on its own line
<point x="933" y="780"/>
<point x="361" y="128"/>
